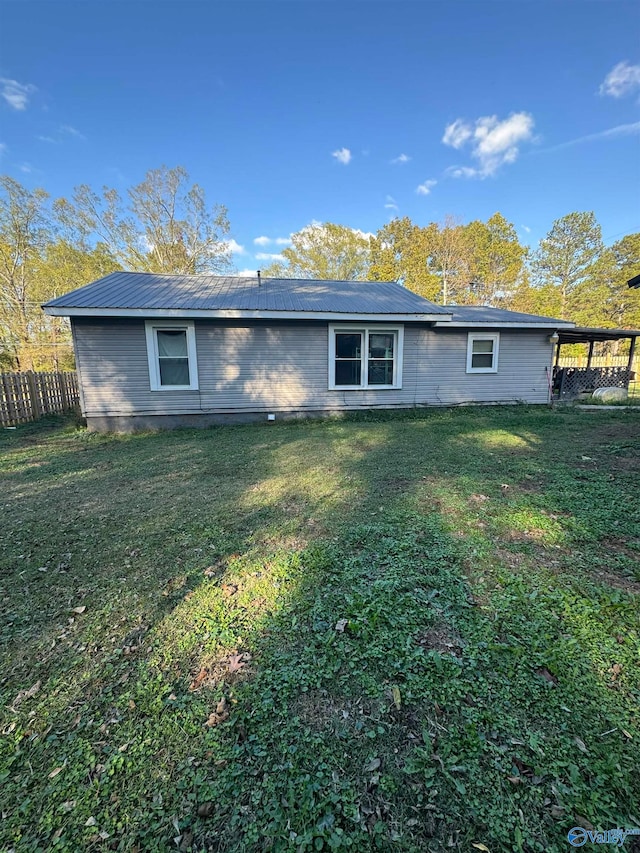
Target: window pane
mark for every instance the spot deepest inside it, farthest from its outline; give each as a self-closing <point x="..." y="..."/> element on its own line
<point x="483" y="346"/>
<point x="482" y="360"/>
<point x="172" y="343"/>
<point x="174" y="371"/>
<point x="381" y="346"/>
<point x="348" y="346"/>
<point x="348" y="372"/>
<point x="381" y="372"/>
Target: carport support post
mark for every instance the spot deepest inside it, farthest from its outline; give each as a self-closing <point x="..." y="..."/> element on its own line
<point x="590" y="356"/>
<point x="558" y="345"/>
<point x="632" y="350"/>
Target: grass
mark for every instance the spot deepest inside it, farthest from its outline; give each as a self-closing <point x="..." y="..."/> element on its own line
<point x="397" y="633"/>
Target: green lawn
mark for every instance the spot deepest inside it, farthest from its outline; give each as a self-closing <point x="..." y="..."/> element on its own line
<point x="400" y="633"/>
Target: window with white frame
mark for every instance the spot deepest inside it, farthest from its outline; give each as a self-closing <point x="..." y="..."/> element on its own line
<point x="365" y="357"/>
<point x="171" y="350"/>
<point x="482" y="352"/>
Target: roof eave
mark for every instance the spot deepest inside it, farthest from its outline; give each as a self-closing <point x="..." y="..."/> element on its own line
<point x="238" y="314"/>
<point x="478" y="324"/>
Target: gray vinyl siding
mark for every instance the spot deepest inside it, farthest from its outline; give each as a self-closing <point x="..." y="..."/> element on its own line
<point x="280" y="367"/>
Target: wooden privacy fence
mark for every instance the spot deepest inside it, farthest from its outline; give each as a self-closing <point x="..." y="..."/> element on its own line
<point x="28" y="396"/>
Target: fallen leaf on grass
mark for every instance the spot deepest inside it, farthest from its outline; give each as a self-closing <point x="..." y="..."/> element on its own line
<point x="372" y="765"/>
<point x="229" y="589"/>
<point x="90" y="821"/>
<point x="198" y="680"/>
<point x="206" y="809"/>
<point x="481" y="847"/>
<point x="27" y="694"/>
<point x="236" y="662"/>
<point x="543" y="672"/>
<point x="581" y="744"/>
<point x="341" y="624"/>
<point x="187" y="841"/>
<point x="55" y="772"/>
<point x="220" y="714"/>
<point x="515" y="780"/>
<point x="396" y="697"/>
<point x="79" y="610"/>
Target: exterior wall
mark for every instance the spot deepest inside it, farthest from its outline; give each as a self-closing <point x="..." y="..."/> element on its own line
<point x="261" y="367"/>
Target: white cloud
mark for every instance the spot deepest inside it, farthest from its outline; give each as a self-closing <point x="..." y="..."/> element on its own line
<point x="462" y="172"/>
<point x="401" y="159"/>
<point x="267" y="256"/>
<point x="457" y="133"/>
<point x="16" y="94"/>
<point x="526" y="229"/>
<point x="235" y="248"/>
<point x="426" y="187"/>
<point x="610" y="133"/>
<point x="622" y="80"/>
<point x="27" y="168"/>
<point x="247" y="273"/>
<point x="3" y="148"/>
<point x="275" y="241"/>
<point x="48" y="139"/>
<point x="390" y="203"/>
<point x="368" y="235"/>
<point x="68" y="130"/>
<point x="342" y="155"/>
<point x="493" y="142"/>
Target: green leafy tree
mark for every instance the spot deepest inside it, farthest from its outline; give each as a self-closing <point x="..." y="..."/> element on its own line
<point x="165" y="225"/>
<point x="566" y="257"/>
<point x="450" y="260"/>
<point x="25" y="229"/>
<point x="400" y="252"/>
<point x="325" y="251"/>
<point x="496" y="261"/>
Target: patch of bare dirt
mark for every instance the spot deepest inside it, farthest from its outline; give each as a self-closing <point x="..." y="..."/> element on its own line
<point x="441" y="638"/>
<point x="230" y="668"/>
<point x="321" y="711"/>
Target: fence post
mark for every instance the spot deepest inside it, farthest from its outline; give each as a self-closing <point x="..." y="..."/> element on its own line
<point x="8" y="392"/>
<point x="64" y="395"/>
<point x="36" y="409"/>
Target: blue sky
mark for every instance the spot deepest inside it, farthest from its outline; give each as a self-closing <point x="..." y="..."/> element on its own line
<point x="290" y="112"/>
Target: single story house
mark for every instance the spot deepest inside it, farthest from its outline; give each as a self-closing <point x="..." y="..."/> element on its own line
<point x="156" y="350"/>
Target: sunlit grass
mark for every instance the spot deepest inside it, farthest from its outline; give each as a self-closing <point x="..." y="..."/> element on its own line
<point x="396" y="632"/>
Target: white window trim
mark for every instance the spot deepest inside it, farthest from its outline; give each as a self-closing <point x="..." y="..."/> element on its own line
<point x="483" y="336"/>
<point x="151" y="327"/>
<point x="367" y="329"/>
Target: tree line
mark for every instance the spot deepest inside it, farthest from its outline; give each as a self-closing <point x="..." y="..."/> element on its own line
<point x="164" y="224"/>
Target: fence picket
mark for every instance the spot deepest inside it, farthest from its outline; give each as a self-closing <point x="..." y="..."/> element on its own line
<point x="27" y="396"/>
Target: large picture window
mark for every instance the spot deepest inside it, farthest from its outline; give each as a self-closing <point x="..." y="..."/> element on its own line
<point x="482" y="352"/>
<point x="365" y="357"/>
<point x="171" y="349"/>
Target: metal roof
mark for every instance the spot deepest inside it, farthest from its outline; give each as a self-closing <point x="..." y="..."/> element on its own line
<point x="482" y="315"/>
<point x="635" y="281"/>
<point x="130" y="293"/>
<point x="586" y="334"/>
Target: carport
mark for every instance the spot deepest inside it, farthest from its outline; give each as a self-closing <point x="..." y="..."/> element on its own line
<point x="570" y="382"/>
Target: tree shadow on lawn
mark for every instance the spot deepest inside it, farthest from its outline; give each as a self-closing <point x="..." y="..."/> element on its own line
<point x="376" y="671"/>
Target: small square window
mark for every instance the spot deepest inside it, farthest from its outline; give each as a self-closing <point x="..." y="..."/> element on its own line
<point x="482" y="353"/>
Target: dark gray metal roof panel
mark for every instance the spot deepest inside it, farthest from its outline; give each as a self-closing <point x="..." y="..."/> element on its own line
<point x="130" y="290"/>
<point x="483" y="314"/>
